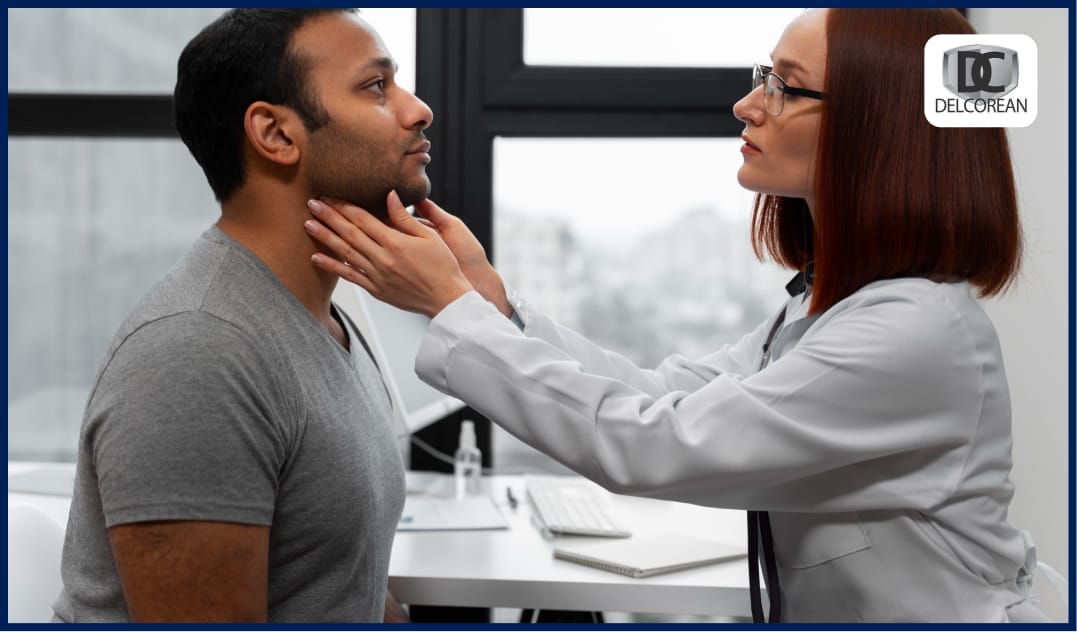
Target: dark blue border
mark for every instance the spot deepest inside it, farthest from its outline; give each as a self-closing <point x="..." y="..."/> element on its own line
<point x="1072" y="346"/>
<point x="564" y="626"/>
<point x="1072" y="297"/>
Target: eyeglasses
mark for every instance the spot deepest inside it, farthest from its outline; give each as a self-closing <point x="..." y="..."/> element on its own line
<point x="775" y="88"/>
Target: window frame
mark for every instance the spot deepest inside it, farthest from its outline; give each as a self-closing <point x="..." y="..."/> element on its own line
<point x="470" y="70"/>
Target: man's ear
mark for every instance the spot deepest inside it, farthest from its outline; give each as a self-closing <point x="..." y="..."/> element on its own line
<point x="274" y="132"/>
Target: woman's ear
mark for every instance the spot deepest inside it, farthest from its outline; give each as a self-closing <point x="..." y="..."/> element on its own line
<point x="274" y="132"/>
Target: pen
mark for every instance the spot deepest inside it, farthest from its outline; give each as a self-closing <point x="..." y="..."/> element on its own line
<point x="511" y="497"/>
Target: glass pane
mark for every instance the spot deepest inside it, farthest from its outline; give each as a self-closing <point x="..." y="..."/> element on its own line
<point x="642" y="245"/>
<point x="652" y="37"/>
<point x="91" y="226"/>
<point x="135" y="50"/>
<point x="99" y="50"/>
<point x="397" y="29"/>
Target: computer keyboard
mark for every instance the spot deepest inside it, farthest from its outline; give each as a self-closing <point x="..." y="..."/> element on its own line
<point x="567" y="505"/>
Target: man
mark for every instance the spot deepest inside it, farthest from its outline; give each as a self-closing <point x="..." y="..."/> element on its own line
<point x="237" y="459"/>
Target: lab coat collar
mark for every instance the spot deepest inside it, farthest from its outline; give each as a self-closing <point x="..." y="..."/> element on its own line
<point x="802" y="281"/>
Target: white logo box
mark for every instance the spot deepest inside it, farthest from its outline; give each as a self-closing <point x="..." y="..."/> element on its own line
<point x="1015" y="108"/>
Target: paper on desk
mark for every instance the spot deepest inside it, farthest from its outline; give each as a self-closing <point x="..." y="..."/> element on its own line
<point x="426" y="513"/>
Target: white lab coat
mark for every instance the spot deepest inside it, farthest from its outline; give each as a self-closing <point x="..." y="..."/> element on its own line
<point x="878" y="437"/>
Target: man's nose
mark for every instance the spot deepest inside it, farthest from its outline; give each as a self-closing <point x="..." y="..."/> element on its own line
<point x="417" y="114"/>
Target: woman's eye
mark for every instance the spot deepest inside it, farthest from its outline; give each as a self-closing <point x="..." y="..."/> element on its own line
<point x="378" y="85"/>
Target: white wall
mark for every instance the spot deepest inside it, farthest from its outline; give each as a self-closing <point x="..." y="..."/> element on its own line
<point x="1032" y="318"/>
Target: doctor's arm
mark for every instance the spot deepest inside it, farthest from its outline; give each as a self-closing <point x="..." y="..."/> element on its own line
<point x="840" y="423"/>
<point x="412" y="262"/>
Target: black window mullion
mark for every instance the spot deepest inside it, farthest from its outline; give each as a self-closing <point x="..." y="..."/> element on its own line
<point x="449" y="80"/>
<point x="439" y="69"/>
<point x="636" y="88"/>
<point x="93" y="115"/>
<point x="581" y="122"/>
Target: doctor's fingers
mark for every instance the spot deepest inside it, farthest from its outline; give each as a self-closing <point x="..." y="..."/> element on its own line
<point x="348" y="255"/>
<point x="349" y="273"/>
<point x="353" y="225"/>
<point x="343" y="217"/>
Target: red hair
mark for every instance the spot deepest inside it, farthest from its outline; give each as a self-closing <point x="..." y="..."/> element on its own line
<point x="894" y="195"/>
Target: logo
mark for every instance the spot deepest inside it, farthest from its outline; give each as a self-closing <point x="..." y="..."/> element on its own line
<point x="976" y="80"/>
<point x="971" y="72"/>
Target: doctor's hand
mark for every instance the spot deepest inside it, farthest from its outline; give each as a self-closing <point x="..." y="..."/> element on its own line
<point x="469" y="254"/>
<point x="405" y="264"/>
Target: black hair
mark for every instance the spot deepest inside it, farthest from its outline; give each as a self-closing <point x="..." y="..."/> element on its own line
<point x="241" y="57"/>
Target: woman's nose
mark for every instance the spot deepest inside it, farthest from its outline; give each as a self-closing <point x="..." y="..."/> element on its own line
<point x="750" y="108"/>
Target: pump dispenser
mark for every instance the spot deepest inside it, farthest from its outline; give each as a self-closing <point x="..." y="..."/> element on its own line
<point x="467" y="462"/>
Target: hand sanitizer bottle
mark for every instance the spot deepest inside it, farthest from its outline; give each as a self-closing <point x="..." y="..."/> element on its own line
<point x="467" y="462"/>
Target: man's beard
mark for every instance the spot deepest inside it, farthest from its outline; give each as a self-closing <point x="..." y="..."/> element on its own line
<point x="353" y="168"/>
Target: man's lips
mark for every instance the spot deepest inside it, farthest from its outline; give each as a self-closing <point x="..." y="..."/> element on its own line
<point x="421" y="148"/>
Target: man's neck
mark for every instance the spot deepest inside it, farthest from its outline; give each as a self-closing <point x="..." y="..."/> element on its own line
<point x="271" y="226"/>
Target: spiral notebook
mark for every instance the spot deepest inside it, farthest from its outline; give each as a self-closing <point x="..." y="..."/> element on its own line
<point x="651" y="554"/>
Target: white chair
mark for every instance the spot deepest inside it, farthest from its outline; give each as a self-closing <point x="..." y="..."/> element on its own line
<point x="1058" y="582"/>
<point x="34" y="544"/>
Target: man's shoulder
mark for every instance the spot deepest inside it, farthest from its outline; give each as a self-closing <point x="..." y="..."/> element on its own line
<point x="194" y="306"/>
<point x="208" y="279"/>
<point x="192" y="347"/>
<point x="187" y="330"/>
<point x="185" y="285"/>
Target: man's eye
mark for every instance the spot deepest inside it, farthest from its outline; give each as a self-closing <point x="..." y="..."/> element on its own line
<point x="378" y="85"/>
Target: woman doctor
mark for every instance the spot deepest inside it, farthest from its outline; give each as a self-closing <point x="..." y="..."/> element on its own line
<point x="866" y="426"/>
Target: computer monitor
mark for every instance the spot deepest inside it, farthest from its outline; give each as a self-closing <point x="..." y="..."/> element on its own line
<point x="394" y="336"/>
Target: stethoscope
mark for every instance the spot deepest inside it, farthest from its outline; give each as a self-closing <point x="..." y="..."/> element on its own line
<point x="759" y="532"/>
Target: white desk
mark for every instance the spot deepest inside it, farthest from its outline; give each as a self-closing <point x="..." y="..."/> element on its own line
<point x="56" y="506"/>
<point x="514" y="568"/>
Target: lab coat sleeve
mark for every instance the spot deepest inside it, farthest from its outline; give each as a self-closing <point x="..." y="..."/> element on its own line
<point x="674" y="373"/>
<point x="874" y="408"/>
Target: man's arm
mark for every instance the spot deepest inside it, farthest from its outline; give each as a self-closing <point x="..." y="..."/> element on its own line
<point x="192" y="570"/>
<point x="394" y="612"/>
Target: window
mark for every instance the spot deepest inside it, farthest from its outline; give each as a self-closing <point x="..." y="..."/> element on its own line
<point x="135" y="50"/>
<point x="92" y="224"/>
<point x="99" y="50"/>
<point x="641" y="244"/>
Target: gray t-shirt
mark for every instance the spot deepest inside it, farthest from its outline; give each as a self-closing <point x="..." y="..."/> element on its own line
<point x="221" y="398"/>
